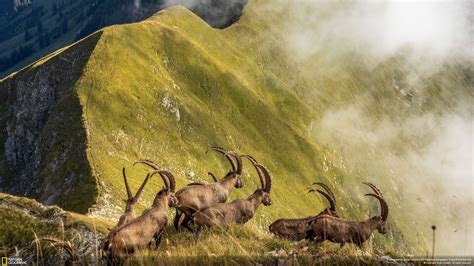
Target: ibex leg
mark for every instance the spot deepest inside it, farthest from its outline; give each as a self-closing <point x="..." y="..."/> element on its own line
<point x="177" y="217"/>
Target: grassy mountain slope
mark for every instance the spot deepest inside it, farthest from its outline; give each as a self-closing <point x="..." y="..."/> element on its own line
<point x="186" y="97"/>
<point x="171" y="86"/>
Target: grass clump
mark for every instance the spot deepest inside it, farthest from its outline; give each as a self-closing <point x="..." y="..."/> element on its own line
<point x="25" y="221"/>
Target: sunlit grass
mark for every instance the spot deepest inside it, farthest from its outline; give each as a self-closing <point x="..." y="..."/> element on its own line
<point x="239" y="245"/>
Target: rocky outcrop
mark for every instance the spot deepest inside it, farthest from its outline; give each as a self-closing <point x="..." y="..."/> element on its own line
<point x="29" y="222"/>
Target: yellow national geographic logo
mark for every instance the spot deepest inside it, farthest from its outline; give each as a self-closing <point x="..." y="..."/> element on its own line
<point x="4" y="261"/>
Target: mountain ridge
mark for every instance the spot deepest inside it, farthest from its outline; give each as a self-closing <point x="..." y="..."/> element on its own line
<point x="40" y="27"/>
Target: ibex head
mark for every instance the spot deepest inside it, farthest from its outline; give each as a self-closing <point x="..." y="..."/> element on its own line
<point x="265" y="180"/>
<point x="168" y="190"/>
<point x="382" y="219"/>
<point x="173" y="201"/>
<point x="267" y="201"/>
<point x="239" y="183"/>
<point x="236" y="164"/>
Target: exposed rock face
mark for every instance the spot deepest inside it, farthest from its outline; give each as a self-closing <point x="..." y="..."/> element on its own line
<point x="34" y="100"/>
<point x="42" y="144"/>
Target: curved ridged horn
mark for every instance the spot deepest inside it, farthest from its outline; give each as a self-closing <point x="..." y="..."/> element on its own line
<point x="171" y="179"/>
<point x="212" y="176"/>
<point x="327" y="196"/>
<point x="251" y="159"/>
<point x="142" y="186"/>
<point x="164" y="177"/>
<point x="127" y="187"/>
<point x="227" y="155"/>
<point x="238" y="161"/>
<point x="383" y="205"/>
<point x="378" y="194"/>
<point x="268" y="179"/>
<point x="374" y="188"/>
<point x="148" y="163"/>
<point x="259" y="171"/>
<point x="328" y="190"/>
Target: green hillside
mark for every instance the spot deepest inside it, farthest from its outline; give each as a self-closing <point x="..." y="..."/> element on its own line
<point x="167" y="88"/>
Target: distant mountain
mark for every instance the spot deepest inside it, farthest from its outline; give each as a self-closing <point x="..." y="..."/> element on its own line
<point x="32" y="29"/>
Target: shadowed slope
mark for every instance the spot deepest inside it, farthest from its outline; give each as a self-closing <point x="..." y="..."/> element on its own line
<point x="43" y="137"/>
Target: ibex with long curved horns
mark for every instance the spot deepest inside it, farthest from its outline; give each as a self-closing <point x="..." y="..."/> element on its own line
<point x="237" y="211"/>
<point x="298" y="228"/>
<point x="197" y="197"/>
<point x="343" y="231"/>
<point x="141" y="232"/>
<point x="131" y="202"/>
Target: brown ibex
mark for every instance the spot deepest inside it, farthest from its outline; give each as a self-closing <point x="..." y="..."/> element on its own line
<point x="197" y="197"/>
<point x="343" y="231"/>
<point x="141" y="232"/>
<point x="131" y="202"/>
<point x="237" y="211"/>
<point x="298" y="228"/>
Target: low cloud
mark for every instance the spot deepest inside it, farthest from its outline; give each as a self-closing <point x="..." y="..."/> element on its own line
<point x="440" y="28"/>
<point x="428" y="157"/>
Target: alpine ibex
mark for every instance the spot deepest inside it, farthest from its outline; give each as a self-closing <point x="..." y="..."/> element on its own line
<point x="298" y="228"/>
<point x="141" y="232"/>
<point x="237" y="211"/>
<point x="196" y="197"/>
<point x="343" y="231"/>
<point x="131" y="202"/>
